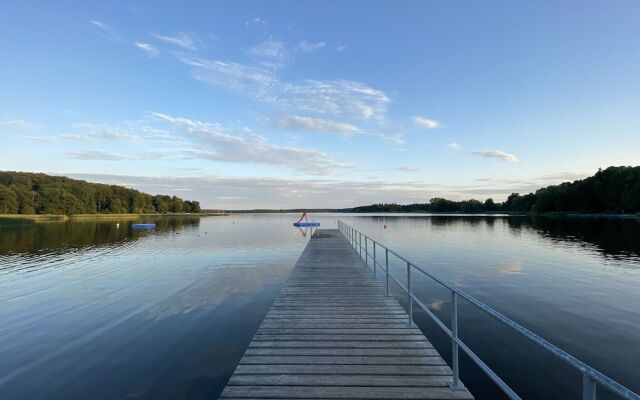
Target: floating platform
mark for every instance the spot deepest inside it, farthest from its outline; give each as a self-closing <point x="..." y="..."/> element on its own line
<point x="143" y="226"/>
<point x="303" y="224"/>
<point x="333" y="333"/>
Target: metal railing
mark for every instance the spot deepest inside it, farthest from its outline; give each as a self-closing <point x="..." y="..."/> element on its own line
<point x="590" y="377"/>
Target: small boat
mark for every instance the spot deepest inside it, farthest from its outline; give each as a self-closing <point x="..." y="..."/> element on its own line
<point x="306" y="222"/>
<point x="143" y="226"/>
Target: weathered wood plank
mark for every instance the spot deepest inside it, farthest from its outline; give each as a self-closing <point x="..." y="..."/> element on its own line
<point x="344" y="360"/>
<point x="341" y="392"/>
<point x="340" y="352"/>
<point x="338" y="331"/>
<point x="337" y="344"/>
<point x="376" y="338"/>
<point x="386" y="370"/>
<point x="341" y="380"/>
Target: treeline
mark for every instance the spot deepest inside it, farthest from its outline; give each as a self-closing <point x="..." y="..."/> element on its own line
<point x="613" y="190"/>
<point x="30" y="193"/>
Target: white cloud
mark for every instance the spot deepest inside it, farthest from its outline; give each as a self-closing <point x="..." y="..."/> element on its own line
<point x="221" y="145"/>
<point x="99" y="155"/>
<point x="231" y="75"/>
<point x="94" y="155"/>
<point x="498" y="154"/>
<point x="308" y="124"/>
<point x="425" y="122"/>
<point x="338" y="97"/>
<point x="180" y="39"/>
<point x="229" y="192"/>
<point x="308" y="47"/>
<point x="272" y="54"/>
<point x="102" y="131"/>
<point x="269" y="49"/>
<point x="341" y="47"/>
<point x="148" y="49"/>
<point x="18" y="124"/>
<point x="255" y="21"/>
<point x="88" y="132"/>
<point x="395" y="137"/>
<point x="408" y="169"/>
<point x="107" y="31"/>
<point x="454" y="146"/>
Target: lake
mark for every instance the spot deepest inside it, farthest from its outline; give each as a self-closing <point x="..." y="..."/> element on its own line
<point x="90" y="309"/>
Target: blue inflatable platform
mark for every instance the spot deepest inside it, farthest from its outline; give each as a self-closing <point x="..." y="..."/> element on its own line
<point x="143" y="226"/>
<point x="306" y="224"/>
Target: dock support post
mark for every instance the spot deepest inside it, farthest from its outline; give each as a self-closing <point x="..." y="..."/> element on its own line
<point x="588" y="387"/>
<point x="455" y="384"/>
<point x="386" y="267"/>
<point x="409" y="298"/>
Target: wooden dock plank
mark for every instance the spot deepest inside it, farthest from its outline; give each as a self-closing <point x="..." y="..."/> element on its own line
<point x="332" y="333"/>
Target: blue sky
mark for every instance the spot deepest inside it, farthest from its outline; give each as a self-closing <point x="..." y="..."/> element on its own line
<point x="242" y="104"/>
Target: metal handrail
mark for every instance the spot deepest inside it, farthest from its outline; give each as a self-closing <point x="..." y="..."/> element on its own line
<point x="590" y="376"/>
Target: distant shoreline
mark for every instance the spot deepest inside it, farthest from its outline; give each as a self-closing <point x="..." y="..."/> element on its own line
<point x="568" y="214"/>
<point x="90" y="217"/>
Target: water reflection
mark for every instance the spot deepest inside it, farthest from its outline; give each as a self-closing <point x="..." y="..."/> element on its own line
<point x="92" y="310"/>
<point x="30" y="237"/>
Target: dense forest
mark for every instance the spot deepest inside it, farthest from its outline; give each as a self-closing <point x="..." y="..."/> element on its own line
<point x="30" y="193"/>
<point x="613" y="190"/>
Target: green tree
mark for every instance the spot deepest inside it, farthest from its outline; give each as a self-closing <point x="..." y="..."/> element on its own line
<point x="8" y="201"/>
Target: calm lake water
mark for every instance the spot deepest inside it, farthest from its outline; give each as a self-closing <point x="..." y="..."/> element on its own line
<point x="90" y="310"/>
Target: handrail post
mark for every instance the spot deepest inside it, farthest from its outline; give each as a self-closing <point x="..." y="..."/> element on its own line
<point x="409" y="294"/>
<point x="588" y="387"/>
<point x="360" y="244"/>
<point x="455" y="385"/>
<point x="374" y="259"/>
<point x="366" y="251"/>
<point x="386" y="267"/>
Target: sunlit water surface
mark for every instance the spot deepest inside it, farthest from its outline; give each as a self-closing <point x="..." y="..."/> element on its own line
<point x="92" y="310"/>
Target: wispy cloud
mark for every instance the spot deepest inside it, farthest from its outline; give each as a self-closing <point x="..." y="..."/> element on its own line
<point x="180" y="39"/>
<point x="339" y="97"/>
<point x="18" y="124"/>
<point x="147" y="48"/>
<point x="425" y="122"/>
<point x="230" y="75"/>
<point x="253" y="192"/>
<point x="255" y="21"/>
<point x="87" y="132"/>
<point x="408" y="169"/>
<point x="309" y="124"/>
<point x="341" y="47"/>
<point x="106" y="31"/>
<point x="219" y="144"/>
<point x="454" y="146"/>
<point x="393" y="137"/>
<point x="99" y="155"/>
<point x="269" y="49"/>
<point x="309" y="47"/>
<point x="497" y="154"/>
<point x="268" y="192"/>
<point x="271" y="54"/>
<point x="94" y="155"/>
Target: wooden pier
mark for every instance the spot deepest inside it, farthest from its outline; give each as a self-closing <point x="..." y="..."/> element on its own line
<point x="332" y="333"/>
